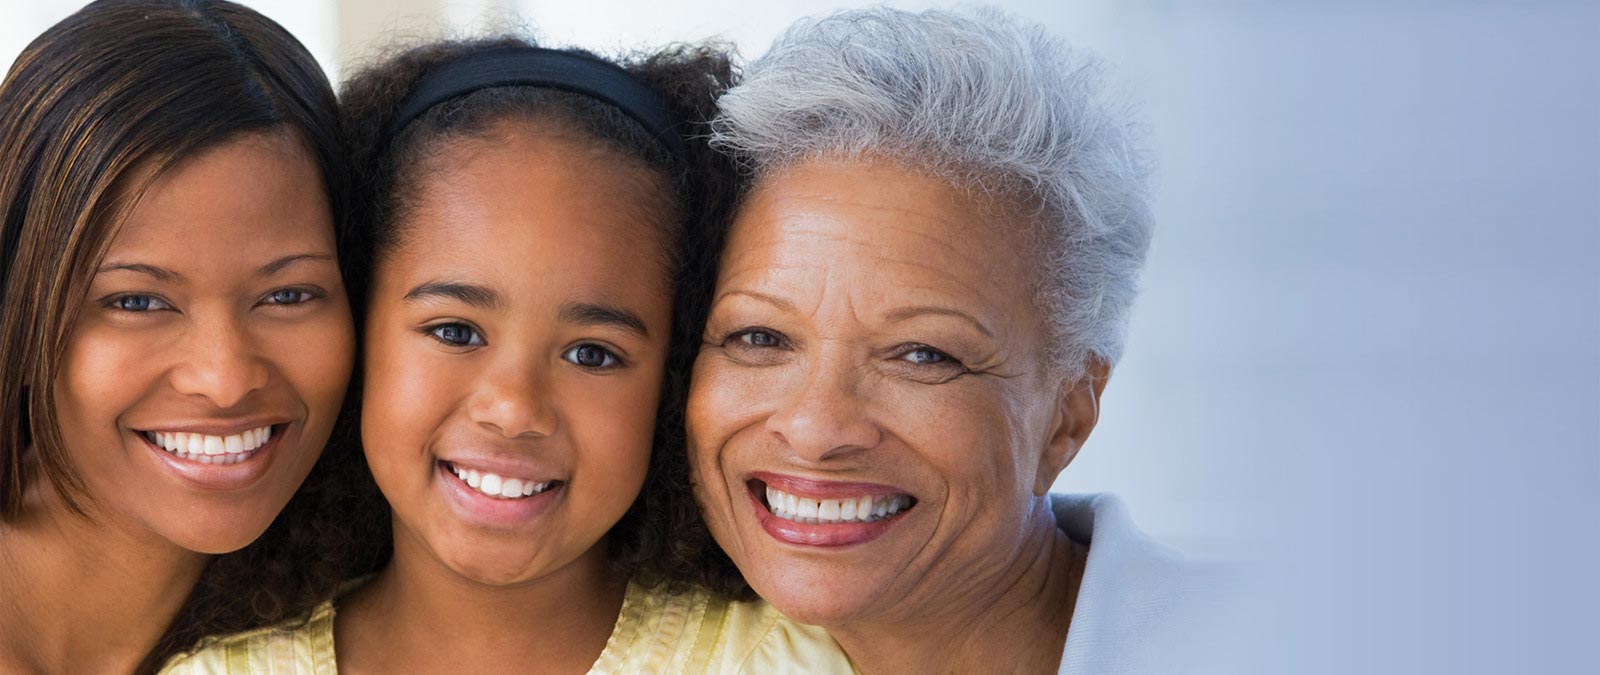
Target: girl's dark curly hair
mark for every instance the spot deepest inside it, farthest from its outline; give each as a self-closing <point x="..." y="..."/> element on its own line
<point x="660" y="537"/>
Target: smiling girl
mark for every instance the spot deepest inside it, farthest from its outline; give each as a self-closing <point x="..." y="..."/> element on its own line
<point x="175" y="339"/>
<point x="532" y="211"/>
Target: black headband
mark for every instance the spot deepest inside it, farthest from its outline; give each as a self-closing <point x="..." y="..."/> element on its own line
<point x="537" y="67"/>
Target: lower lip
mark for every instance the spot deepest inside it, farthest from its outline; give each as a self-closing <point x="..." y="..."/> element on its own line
<point x="221" y="477"/>
<point x="496" y="512"/>
<point x="832" y="535"/>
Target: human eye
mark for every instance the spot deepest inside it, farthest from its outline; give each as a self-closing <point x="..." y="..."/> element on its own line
<point x="591" y="356"/>
<point x="456" y="334"/>
<point x="137" y="303"/>
<point x="755" y="338"/>
<point x="924" y="358"/>
<point x="290" y="296"/>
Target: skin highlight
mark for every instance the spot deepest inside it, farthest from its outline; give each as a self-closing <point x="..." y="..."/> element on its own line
<point x="198" y="320"/>
<point x="512" y="326"/>
<point x="875" y="325"/>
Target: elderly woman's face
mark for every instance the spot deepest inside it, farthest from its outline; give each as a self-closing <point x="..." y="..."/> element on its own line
<point x="871" y="414"/>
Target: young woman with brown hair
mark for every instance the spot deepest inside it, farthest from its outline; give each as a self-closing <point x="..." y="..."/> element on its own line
<point x="175" y="334"/>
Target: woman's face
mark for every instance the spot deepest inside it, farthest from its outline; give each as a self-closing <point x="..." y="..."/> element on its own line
<point x="871" y="415"/>
<point x="515" y="354"/>
<point x="204" y="372"/>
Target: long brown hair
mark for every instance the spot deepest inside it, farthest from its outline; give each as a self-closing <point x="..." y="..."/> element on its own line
<point x="90" y="113"/>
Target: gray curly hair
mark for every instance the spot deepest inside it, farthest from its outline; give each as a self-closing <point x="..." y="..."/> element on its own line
<point x="990" y="103"/>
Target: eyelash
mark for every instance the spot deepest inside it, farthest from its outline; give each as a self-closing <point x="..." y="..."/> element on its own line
<point x="610" y="360"/>
<point x="155" y="303"/>
<point x="745" y="337"/>
<point x="939" y="358"/>
<point x="474" y="336"/>
<point x="305" y="295"/>
<point x="115" y="303"/>
<point x="944" y="359"/>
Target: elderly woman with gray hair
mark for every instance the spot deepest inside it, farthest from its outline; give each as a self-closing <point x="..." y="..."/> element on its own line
<point x="916" y="310"/>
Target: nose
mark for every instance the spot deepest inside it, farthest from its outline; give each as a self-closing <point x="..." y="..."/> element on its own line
<point x="513" y="402"/>
<point x="222" y="364"/>
<point x="826" y="418"/>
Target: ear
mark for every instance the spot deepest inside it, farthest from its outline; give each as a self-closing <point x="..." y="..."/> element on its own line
<point x="1076" y="411"/>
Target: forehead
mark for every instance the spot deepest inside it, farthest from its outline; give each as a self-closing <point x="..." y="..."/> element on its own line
<point x="520" y="209"/>
<point x="250" y="195"/>
<point x="884" y="225"/>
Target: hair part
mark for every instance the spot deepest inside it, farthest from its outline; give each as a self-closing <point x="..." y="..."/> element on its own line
<point x="990" y="103"/>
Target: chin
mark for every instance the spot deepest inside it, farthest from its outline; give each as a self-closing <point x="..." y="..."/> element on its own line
<point x="217" y="537"/>
<point x="816" y="598"/>
<point x="489" y="566"/>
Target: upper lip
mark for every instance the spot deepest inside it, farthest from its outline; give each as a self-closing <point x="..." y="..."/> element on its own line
<point x="506" y="467"/>
<point x="212" y="427"/>
<point x="825" y="489"/>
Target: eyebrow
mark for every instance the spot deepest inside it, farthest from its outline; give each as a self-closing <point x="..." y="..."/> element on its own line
<point x="165" y="275"/>
<point x="905" y="313"/>
<point x="160" y="273"/>
<point x="277" y="266"/>
<point x="597" y="314"/>
<point x="471" y="294"/>
<point x="773" y="300"/>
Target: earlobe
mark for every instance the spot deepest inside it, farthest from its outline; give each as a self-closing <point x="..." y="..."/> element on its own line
<point x="1077" y="409"/>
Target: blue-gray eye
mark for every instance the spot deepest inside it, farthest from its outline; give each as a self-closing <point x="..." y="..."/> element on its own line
<point x="457" y="335"/>
<point x="926" y="356"/>
<point x="140" y="303"/>
<point x="590" y="356"/>
<point x="757" y="337"/>
<point x="288" y="296"/>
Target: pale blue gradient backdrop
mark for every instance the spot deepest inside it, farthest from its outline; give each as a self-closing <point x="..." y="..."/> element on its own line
<point x="1366" y="363"/>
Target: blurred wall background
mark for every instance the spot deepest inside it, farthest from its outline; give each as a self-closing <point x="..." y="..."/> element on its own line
<point x="1366" y="362"/>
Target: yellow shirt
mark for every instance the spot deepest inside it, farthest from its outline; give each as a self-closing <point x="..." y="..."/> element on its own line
<point x="656" y="632"/>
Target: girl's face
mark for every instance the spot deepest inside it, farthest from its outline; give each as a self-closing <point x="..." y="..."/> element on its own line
<point x="212" y="352"/>
<point x="515" y="353"/>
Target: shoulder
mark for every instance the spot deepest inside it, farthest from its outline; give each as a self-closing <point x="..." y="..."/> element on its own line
<point x="1142" y="607"/>
<point x="302" y="646"/>
<point x="691" y="630"/>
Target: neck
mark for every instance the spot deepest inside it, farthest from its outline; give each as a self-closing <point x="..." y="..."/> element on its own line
<point x="1018" y="615"/>
<point x="418" y="615"/>
<point x="85" y="594"/>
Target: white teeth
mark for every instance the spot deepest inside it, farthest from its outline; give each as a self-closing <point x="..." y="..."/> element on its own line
<point x="867" y="508"/>
<point x="496" y="486"/>
<point x="511" y="488"/>
<point x="206" y="449"/>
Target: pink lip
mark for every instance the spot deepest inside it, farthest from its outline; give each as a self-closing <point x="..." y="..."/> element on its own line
<point x="832" y="535"/>
<point x="220" y="477"/>
<point x="493" y="512"/>
<point x="824" y="489"/>
<point x="217" y="427"/>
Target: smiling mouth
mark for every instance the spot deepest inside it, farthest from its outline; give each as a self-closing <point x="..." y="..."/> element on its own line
<point x="209" y="449"/>
<point x="497" y="486"/>
<point x="835" y="511"/>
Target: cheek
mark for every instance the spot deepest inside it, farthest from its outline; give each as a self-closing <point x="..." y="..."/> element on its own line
<point x="102" y="374"/>
<point x="407" y="393"/>
<point x="316" y="358"/>
<point x="965" y="432"/>
<point x="612" y="422"/>
<point x="726" y="399"/>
